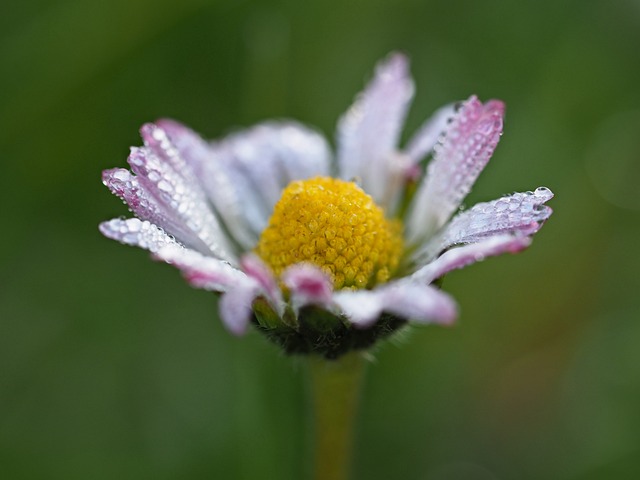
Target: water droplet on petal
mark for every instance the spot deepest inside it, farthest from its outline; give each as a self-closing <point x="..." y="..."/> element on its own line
<point x="121" y="175"/>
<point x="134" y="225"/>
<point x="502" y="206"/>
<point x="544" y="193"/>
<point x="165" y="186"/>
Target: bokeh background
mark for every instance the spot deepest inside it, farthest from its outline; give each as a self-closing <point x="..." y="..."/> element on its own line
<point x="112" y="367"/>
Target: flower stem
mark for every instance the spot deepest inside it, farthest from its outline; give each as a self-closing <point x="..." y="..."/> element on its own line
<point x="335" y="389"/>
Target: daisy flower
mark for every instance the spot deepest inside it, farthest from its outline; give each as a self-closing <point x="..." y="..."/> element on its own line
<point x="326" y="253"/>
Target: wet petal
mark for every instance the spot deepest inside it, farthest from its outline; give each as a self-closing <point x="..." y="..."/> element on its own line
<point x="520" y="213"/>
<point x="136" y="232"/>
<point x="244" y="173"/>
<point x="185" y="199"/>
<point x="466" y="148"/>
<point x="192" y="148"/>
<point x="462" y="256"/>
<point x="368" y="132"/>
<point x="125" y="185"/>
<point x="225" y="192"/>
<point x="156" y="140"/>
<point x="411" y="300"/>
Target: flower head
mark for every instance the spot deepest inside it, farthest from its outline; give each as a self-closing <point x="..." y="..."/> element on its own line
<point x="326" y="255"/>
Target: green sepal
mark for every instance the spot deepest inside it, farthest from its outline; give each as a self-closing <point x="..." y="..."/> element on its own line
<point x="323" y="333"/>
<point x="320" y="320"/>
<point x="265" y="315"/>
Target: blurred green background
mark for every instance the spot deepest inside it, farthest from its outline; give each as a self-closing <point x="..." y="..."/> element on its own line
<point x="112" y="367"/>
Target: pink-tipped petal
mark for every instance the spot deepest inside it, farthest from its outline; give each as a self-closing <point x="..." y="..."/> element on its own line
<point x="185" y="199"/>
<point x="236" y="308"/>
<point x="200" y="271"/>
<point x="520" y="213"/>
<point x="467" y="146"/>
<point x="136" y="232"/>
<point x="308" y="285"/>
<point x="410" y="300"/>
<point x="255" y="268"/>
<point x="428" y="135"/>
<point x="462" y="256"/>
<point x="369" y="131"/>
<point x="125" y="185"/>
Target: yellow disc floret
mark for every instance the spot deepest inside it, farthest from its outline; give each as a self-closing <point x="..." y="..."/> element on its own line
<point x="335" y="225"/>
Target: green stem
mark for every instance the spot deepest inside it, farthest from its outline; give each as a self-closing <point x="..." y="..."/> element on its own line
<point x="335" y="389"/>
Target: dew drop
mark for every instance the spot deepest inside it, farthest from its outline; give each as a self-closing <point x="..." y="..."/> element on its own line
<point x="130" y="238"/>
<point x="122" y="175"/>
<point x="165" y="186"/>
<point x="544" y="193"/>
<point x="134" y="225"/>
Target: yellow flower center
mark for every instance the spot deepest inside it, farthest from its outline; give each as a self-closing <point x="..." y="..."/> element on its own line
<point x="335" y="225"/>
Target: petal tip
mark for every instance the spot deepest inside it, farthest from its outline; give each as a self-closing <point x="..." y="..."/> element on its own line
<point x="147" y="129"/>
<point x="103" y="228"/>
<point x="496" y="107"/>
<point x="395" y="62"/>
<point x="308" y="284"/>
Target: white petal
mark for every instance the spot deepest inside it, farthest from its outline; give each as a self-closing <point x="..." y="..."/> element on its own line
<point x="368" y="132"/>
<point x="299" y="151"/>
<point x="272" y="155"/>
<point x="202" y="272"/>
<point x="156" y="140"/>
<point x="462" y="256"/>
<point x="160" y="144"/>
<point x="125" y="185"/>
<point x="172" y="190"/>
<point x="224" y="194"/>
<point x="362" y="307"/>
<point x="407" y="299"/>
<point x="467" y="146"/>
<point x="260" y="163"/>
<point x="520" y="213"/>
<point x="430" y="133"/>
<point x="136" y="232"/>
<point x="236" y="307"/>
<point x="308" y="285"/>
<point x="419" y="303"/>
